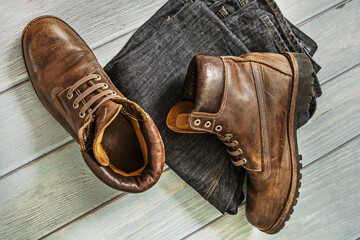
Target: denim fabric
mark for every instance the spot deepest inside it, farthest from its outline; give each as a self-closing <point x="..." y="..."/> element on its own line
<point x="151" y="68"/>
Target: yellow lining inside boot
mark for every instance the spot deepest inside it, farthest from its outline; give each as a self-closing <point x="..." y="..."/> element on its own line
<point x="121" y="146"/>
<point x="144" y="151"/>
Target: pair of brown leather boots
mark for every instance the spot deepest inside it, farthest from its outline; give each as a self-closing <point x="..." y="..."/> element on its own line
<point x="250" y="102"/>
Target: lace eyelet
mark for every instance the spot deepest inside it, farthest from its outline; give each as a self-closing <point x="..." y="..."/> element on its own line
<point x="218" y="128"/>
<point x="81" y="114"/>
<point x="197" y="122"/>
<point x="244" y="160"/>
<point x="240" y="151"/>
<point x="69" y="96"/>
<point x="236" y="143"/>
<point x="75" y="106"/>
<point x="207" y="124"/>
<point x="229" y="135"/>
<point x="105" y="86"/>
<point x="98" y="77"/>
<point x="113" y="93"/>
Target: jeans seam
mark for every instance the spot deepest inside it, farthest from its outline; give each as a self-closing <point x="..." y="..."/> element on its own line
<point x="227" y="45"/>
<point x="282" y="26"/>
<point x="215" y="181"/>
<point x="271" y="33"/>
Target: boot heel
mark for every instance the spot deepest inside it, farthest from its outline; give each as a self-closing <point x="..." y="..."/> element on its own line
<point x="306" y="83"/>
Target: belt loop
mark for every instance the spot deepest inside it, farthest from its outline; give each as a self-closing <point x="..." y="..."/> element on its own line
<point x="242" y="3"/>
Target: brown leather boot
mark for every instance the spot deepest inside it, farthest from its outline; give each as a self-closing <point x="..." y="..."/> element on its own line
<point x="251" y="103"/>
<point x="119" y="141"/>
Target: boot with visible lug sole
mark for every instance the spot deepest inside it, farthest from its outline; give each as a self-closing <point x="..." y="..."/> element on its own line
<point x="251" y="103"/>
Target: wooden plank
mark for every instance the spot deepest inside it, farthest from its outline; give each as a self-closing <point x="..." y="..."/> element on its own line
<point x="58" y="188"/>
<point x="44" y="183"/>
<point x="302" y="10"/>
<point x="337" y="33"/>
<point x="159" y="221"/>
<point x="98" y="22"/>
<point x="323" y="132"/>
<point x="44" y="196"/>
<point x="156" y="214"/>
<point x="23" y="146"/>
<point x="328" y="206"/>
<point x="30" y="130"/>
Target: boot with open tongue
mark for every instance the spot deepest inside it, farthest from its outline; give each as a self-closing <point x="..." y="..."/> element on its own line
<point x="111" y="127"/>
<point x="119" y="141"/>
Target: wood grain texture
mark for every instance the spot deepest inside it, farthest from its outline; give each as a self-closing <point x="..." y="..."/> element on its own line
<point x="28" y="143"/>
<point x="95" y="20"/>
<point x="337" y="34"/>
<point x="328" y="206"/>
<point x="172" y="221"/>
<point x="98" y="22"/>
<point x="340" y="104"/>
<point x="59" y="188"/>
<point x="165" y="212"/>
<point x="46" y="195"/>
<point x="42" y="196"/>
<point x="302" y="10"/>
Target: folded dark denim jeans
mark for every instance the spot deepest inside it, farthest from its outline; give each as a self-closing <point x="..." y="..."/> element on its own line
<point x="151" y="69"/>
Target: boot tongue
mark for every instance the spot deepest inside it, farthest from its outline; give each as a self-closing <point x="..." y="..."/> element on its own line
<point x="203" y="92"/>
<point x="104" y="115"/>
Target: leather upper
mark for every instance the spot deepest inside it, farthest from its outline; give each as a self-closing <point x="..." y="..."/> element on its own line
<point x="56" y="58"/>
<point x="247" y="97"/>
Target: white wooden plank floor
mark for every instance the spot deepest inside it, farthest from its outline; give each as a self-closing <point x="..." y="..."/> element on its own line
<point x="46" y="189"/>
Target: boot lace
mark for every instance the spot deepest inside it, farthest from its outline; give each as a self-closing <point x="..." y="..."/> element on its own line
<point x="106" y="95"/>
<point x="233" y="149"/>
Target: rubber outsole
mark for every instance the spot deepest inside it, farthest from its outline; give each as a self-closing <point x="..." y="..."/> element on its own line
<point x="304" y="96"/>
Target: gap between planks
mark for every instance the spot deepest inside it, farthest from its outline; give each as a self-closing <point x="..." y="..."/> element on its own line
<point x="37" y="159"/>
<point x="71" y="141"/>
<point x="95" y="209"/>
<point x="131" y="29"/>
<point x="336" y="5"/>
<point x="93" y="49"/>
<point x="94" y="20"/>
<point x="303" y="168"/>
<point x="340" y="74"/>
<point x="215" y="219"/>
